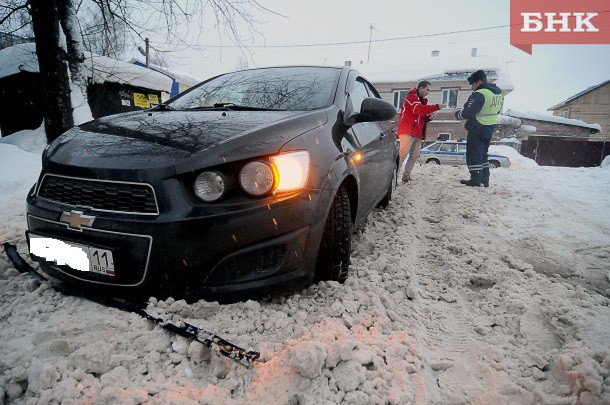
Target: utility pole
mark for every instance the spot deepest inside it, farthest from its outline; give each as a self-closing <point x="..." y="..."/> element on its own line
<point x="147" y="51"/>
<point x="371" y="28"/>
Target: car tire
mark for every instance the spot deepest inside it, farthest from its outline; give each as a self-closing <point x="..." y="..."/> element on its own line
<point x="334" y="254"/>
<point x="433" y="161"/>
<point x="494" y="164"/>
<point x="388" y="196"/>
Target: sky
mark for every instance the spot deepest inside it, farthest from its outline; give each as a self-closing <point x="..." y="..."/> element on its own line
<point x="549" y="76"/>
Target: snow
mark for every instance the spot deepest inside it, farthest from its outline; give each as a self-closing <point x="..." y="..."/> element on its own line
<point x="98" y="68"/>
<point x="506" y="120"/>
<point x="411" y="69"/>
<point x="552" y="118"/>
<point x="516" y="159"/>
<point x="456" y="295"/>
<point x="180" y="77"/>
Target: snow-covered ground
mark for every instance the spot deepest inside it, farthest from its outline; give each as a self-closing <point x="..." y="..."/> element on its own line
<point x="457" y="295"/>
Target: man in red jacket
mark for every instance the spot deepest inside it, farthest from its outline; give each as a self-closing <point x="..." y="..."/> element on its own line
<point x="414" y="118"/>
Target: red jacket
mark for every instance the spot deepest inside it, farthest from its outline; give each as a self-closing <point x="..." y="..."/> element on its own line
<point x="414" y="115"/>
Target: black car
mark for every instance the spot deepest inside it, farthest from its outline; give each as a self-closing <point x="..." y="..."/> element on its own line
<point x="250" y="182"/>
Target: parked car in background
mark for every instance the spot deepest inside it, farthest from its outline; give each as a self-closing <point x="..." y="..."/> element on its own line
<point x="250" y="182"/>
<point x="454" y="153"/>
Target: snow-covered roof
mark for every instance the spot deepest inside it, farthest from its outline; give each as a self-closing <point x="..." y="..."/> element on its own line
<point x="18" y="58"/>
<point x="552" y="118"/>
<point x="99" y="69"/>
<point x="577" y="95"/>
<point x="411" y="69"/>
<point x="180" y="77"/>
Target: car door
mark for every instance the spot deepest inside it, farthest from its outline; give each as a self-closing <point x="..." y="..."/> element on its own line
<point x="371" y="165"/>
<point x="447" y="153"/>
<point x="461" y="156"/>
<point x="387" y="134"/>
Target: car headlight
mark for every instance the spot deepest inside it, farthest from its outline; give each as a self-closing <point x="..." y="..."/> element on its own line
<point x="258" y="178"/>
<point x="284" y="172"/>
<point x="293" y="170"/>
<point x="210" y="186"/>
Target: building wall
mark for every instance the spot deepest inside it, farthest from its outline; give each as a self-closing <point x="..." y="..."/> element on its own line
<point x="592" y="107"/>
<point x="444" y="121"/>
<point x="556" y="129"/>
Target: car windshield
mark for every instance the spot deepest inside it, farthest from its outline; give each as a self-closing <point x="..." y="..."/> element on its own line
<point x="293" y="88"/>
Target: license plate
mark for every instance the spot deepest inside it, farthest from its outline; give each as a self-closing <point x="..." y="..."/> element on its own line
<point x="74" y="255"/>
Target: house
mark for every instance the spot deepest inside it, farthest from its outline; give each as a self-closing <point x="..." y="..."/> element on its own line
<point x="449" y="86"/>
<point x="112" y="87"/>
<point x="180" y="81"/>
<point x="591" y="105"/>
<point x="559" y="141"/>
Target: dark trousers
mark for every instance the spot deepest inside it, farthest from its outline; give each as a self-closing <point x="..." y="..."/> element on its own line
<point x="477" y="147"/>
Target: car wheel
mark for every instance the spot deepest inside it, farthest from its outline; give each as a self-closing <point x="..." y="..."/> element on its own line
<point x="433" y="161"/>
<point x="388" y="196"/>
<point x="333" y="256"/>
<point x="494" y="164"/>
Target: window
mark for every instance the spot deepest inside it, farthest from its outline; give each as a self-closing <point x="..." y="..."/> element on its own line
<point x="399" y="98"/>
<point x="434" y="146"/>
<point x="448" y="147"/>
<point x="450" y="97"/>
<point x="565" y="114"/>
<point x="372" y="90"/>
<point x="293" y="89"/>
<point x="358" y="94"/>
<point x="462" y="147"/>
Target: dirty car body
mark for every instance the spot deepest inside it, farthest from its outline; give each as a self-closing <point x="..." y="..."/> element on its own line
<point x="194" y="198"/>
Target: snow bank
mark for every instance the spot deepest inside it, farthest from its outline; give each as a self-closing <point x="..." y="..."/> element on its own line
<point x="456" y="295"/>
<point x="517" y="160"/>
<point x="28" y="140"/>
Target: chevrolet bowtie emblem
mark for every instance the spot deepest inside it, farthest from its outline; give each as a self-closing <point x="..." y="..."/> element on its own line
<point x="76" y="219"/>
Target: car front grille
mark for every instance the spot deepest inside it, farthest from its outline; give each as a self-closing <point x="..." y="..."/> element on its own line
<point x="101" y="195"/>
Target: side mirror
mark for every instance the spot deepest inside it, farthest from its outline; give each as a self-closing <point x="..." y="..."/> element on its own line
<point x="372" y="109"/>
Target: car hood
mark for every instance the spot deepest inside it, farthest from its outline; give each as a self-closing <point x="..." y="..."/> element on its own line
<point x="156" y="139"/>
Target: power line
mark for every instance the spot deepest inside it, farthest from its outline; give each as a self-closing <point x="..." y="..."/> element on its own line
<point x="357" y="42"/>
<point x="371" y="40"/>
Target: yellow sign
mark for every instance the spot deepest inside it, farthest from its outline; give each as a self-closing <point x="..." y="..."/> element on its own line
<point x="153" y="99"/>
<point x="140" y="100"/>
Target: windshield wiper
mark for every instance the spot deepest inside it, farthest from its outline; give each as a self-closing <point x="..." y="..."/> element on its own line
<point x="233" y="106"/>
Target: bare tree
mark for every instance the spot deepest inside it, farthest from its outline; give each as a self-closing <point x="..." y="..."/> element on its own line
<point x="138" y="19"/>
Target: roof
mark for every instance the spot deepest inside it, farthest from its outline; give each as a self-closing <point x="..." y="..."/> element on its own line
<point x="180" y="77"/>
<point x="100" y="69"/>
<point x="414" y="69"/>
<point x="577" y="95"/>
<point x="439" y="68"/>
<point x="553" y="118"/>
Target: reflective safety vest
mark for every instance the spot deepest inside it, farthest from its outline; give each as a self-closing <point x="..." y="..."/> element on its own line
<point x="493" y="104"/>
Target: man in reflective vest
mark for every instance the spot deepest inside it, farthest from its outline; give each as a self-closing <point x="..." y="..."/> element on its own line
<point x="481" y="114"/>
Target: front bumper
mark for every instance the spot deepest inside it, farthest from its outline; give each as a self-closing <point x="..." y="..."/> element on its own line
<point x="221" y="255"/>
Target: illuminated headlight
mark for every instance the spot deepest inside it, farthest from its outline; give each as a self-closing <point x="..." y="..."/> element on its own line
<point x="292" y="169"/>
<point x="210" y="186"/>
<point x="258" y="178"/>
<point x="284" y="172"/>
